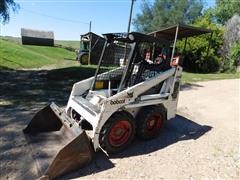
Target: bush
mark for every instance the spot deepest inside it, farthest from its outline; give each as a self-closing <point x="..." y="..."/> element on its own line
<point x="196" y="58"/>
<point x="235" y="54"/>
<point x="234" y="59"/>
<point x="198" y="61"/>
<point x="231" y="61"/>
<point x="231" y="47"/>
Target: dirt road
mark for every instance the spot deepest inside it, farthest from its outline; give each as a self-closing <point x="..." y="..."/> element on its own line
<point x="201" y="142"/>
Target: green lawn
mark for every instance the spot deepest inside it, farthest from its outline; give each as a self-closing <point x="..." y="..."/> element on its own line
<point x="16" y="56"/>
<point x="12" y="39"/>
<point x="71" y="44"/>
<point x="83" y="72"/>
<point x="63" y="43"/>
<point x="196" y="77"/>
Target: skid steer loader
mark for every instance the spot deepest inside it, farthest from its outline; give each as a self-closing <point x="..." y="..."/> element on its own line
<point x="132" y="97"/>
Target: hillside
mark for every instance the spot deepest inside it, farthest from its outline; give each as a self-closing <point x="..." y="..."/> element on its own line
<point x="13" y="55"/>
<point x="63" y="43"/>
<point x="71" y="44"/>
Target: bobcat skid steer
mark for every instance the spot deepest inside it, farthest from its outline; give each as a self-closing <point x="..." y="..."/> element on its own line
<point x="132" y="98"/>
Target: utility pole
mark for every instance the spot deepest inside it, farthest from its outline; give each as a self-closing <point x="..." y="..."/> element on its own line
<point x="130" y="17"/>
<point x="90" y="43"/>
<point x="90" y="26"/>
<point x="128" y="30"/>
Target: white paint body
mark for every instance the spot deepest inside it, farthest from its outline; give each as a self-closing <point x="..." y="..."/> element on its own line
<point x="98" y="106"/>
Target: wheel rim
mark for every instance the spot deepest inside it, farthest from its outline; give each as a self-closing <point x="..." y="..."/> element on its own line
<point x="84" y="59"/>
<point x="120" y="133"/>
<point x="154" y="123"/>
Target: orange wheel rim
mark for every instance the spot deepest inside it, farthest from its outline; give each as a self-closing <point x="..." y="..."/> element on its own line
<point x="120" y="133"/>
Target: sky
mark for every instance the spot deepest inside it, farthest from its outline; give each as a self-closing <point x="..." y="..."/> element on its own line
<point x="71" y="18"/>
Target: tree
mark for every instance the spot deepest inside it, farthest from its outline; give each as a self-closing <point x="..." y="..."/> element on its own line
<point x="231" y="45"/>
<point x="232" y="33"/>
<point x="225" y="9"/>
<point x="196" y="58"/>
<point x="143" y="21"/>
<point x="167" y="12"/>
<point x="5" y="6"/>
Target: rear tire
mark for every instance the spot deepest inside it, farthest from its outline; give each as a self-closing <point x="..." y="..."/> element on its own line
<point x="83" y="58"/>
<point x="149" y="122"/>
<point x="117" y="133"/>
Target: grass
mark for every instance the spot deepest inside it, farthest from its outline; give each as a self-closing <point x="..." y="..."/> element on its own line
<point x="196" y="77"/>
<point x="64" y="43"/>
<point x="83" y="72"/>
<point x="16" y="56"/>
<point x="12" y="39"/>
<point x="71" y="44"/>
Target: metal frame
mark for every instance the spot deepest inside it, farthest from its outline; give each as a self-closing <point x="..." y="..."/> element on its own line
<point x="180" y="31"/>
<point x="96" y="106"/>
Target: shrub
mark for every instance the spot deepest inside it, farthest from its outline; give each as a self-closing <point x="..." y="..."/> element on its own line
<point x="196" y="58"/>
<point x="234" y="56"/>
<point x="231" y="47"/>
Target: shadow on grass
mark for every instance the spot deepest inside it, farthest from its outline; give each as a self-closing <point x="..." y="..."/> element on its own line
<point x="33" y="87"/>
<point x="5" y="68"/>
<point x="175" y="130"/>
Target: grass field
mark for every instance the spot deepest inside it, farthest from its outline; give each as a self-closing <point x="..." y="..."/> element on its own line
<point x="195" y="77"/>
<point x="87" y="71"/>
<point x="71" y="44"/>
<point x="12" y="39"/>
<point x="63" y="43"/>
<point x="82" y="72"/>
<point x="16" y="56"/>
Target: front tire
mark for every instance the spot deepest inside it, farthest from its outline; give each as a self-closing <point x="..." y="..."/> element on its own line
<point x="117" y="133"/>
<point x="150" y="121"/>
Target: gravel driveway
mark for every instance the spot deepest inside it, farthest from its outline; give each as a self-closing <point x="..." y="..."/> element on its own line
<point x="201" y="142"/>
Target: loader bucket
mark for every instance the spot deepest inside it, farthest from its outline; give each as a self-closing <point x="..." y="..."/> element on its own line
<point x="57" y="143"/>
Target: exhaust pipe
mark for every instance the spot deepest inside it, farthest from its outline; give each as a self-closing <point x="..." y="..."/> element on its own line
<point x="58" y="143"/>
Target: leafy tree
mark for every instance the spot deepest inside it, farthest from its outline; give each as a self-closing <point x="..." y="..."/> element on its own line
<point x="167" y="12"/>
<point x="225" y="9"/>
<point x="231" y="48"/>
<point x="235" y="54"/>
<point x="5" y="6"/>
<point x="143" y="21"/>
<point x="196" y="58"/>
<point x="232" y="33"/>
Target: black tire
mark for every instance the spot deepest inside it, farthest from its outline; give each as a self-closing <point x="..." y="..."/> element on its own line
<point x="121" y="123"/>
<point x="83" y="58"/>
<point x="149" y="122"/>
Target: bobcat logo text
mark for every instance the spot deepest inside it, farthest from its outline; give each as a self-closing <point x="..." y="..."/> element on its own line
<point x="120" y="101"/>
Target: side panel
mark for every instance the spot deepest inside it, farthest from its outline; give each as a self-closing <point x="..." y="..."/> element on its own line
<point x="173" y="98"/>
<point x="121" y="100"/>
<point x="82" y="86"/>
